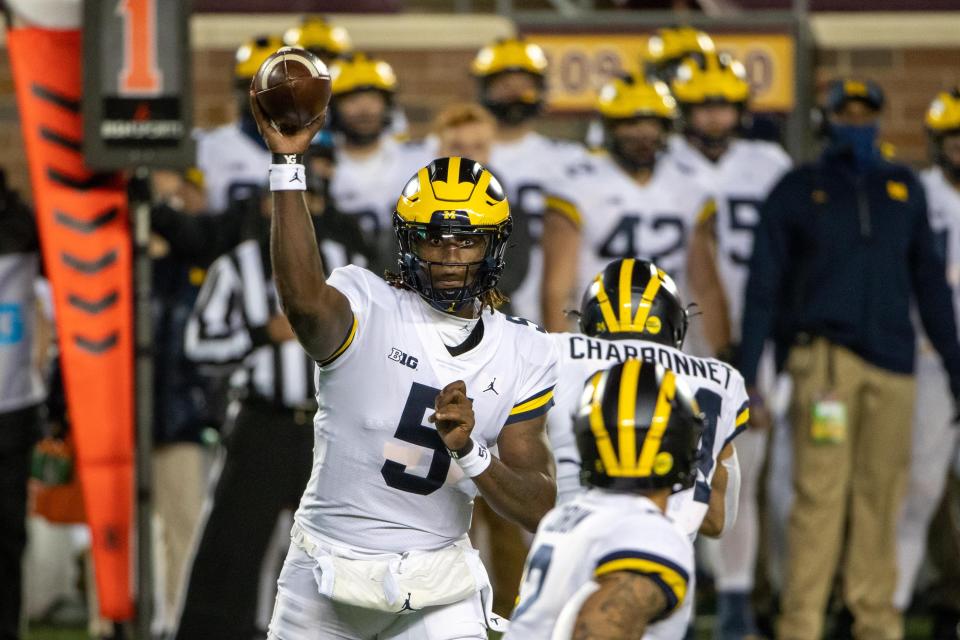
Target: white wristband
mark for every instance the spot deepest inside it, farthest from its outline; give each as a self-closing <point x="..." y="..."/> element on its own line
<point x="288" y="177"/>
<point x="476" y="461"/>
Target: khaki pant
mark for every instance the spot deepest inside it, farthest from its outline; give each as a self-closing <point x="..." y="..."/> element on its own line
<point x="848" y="494"/>
<point x="178" y="472"/>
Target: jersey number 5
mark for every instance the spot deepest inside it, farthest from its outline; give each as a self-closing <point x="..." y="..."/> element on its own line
<point x="411" y="429"/>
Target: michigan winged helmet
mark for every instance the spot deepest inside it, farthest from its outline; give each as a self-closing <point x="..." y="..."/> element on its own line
<point x="670" y="45"/>
<point x="319" y="37"/>
<point x="250" y="55"/>
<point x="638" y="428"/>
<point x="633" y="298"/>
<point x="459" y="198"/>
<point x="511" y="56"/>
<point x="943" y="126"/>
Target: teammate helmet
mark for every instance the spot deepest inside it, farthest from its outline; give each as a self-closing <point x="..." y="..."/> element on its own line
<point x="943" y="119"/>
<point x="943" y="115"/>
<point x="353" y="73"/>
<point x="357" y="72"/>
<point x="718" y="78"/>
<point x="251" y="55"/>
<point x="317" y="35"/>
<point x="506" y="56"/>
<point x="670" y="45"/>
<point x="842" y="91"/>
<point x="452" y="196"/>
<point x="509" y="54"/>
<point x="628" y="97"/>
<point x="633" y="298"/>
<point x="638" y="427"/>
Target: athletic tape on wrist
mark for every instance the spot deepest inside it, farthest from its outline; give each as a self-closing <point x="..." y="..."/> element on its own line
<point x="475" y="462"/>
<point x="288" y="177"/>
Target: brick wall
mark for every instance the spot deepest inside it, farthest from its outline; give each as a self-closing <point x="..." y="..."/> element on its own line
<point x="910" y="79"/>
<point x="430" y="80"/>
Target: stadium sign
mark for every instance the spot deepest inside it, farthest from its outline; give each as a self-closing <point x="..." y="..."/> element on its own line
<point x="581" y="62"/>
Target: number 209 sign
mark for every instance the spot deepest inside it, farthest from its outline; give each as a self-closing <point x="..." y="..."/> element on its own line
<point x="581" y="63"/>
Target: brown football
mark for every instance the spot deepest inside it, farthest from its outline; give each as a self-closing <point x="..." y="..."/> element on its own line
<point x="292" y="86"/>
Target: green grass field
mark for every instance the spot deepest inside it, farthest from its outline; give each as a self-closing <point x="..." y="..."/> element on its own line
<point x="918" y="628"/>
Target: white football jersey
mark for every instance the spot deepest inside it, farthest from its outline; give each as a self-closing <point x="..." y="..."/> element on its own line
<point x="599" y="533"/>
<point x="233" y="164"/>
<point x="619" y="218"/>
<point x="382" y="479"/>
<point x="739" y="182"/>
<point x="370" y="186"/>
<point x="943" y="210"/>
<point x="718" y="388"/>
<point x="528" y="169"/>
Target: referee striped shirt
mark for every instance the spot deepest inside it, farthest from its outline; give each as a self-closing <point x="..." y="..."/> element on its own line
<point x="228" y="329"/>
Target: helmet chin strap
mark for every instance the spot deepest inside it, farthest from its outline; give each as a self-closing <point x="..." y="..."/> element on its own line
<point x="353" y="136"/>
<point x="451" y="307"/>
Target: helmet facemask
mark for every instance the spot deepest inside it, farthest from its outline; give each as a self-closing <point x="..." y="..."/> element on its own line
<point x="938" y="140"/>
<point x="635" y="152"/>
<point x="519" y="109"/>
<point x="339" y="122"/>
<point x="423" y="275"/>
<point x="713" y="144"/>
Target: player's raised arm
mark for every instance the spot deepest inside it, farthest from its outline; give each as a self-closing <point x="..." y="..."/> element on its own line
<point x="319" y="314"/>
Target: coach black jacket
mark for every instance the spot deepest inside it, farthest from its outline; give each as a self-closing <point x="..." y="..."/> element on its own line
<point x="842" y="255"/>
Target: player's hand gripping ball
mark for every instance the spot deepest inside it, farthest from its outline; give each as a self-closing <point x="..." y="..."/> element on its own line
<point x="292" y="87"/>
<point x="454" y="415"/>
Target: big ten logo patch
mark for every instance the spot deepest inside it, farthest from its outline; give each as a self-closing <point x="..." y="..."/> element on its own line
<point x="11" y="323"/>
<point x="399" y="356"/>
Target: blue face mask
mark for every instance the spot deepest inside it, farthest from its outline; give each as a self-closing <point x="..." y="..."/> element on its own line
<point x="861" y="140"/>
